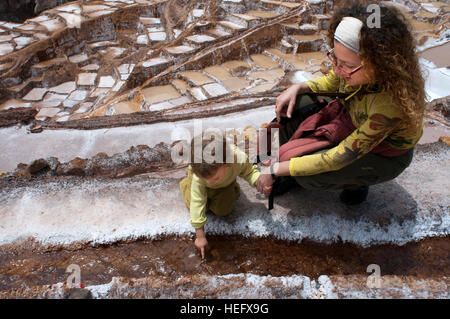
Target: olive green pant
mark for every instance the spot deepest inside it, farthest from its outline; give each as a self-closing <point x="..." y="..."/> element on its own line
<point x="220" y="201"/>
<point x="368" y="170"/>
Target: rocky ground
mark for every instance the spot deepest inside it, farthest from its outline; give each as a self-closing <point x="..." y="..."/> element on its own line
<point x="94" y="93"/>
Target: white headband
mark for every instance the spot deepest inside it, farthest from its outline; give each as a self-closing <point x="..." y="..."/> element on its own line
<point x="347" y="33"/>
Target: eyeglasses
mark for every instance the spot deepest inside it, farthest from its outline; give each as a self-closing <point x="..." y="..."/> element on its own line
<point x="333" y="60"/>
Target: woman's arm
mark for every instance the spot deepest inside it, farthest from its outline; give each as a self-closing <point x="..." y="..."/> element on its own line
<point x="373" y="131"/>
<point x="281" y="169"/>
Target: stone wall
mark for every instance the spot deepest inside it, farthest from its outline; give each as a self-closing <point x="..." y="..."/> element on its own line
<point x="20" y="10"/>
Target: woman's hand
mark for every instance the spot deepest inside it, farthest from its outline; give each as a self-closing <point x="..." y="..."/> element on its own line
<point x="286" y="101"/>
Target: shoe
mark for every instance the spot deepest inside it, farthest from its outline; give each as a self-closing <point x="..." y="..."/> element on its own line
<point x="354" y="196"/>
<point x="282" y="185"/>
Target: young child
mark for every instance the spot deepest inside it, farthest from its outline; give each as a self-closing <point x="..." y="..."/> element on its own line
<point x="211" y="184"/>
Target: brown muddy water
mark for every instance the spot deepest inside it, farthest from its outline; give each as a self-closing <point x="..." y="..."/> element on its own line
<point x="175" y="257"/>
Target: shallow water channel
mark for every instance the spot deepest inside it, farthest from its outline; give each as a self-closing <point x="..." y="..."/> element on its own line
<point x="174" y="257"/>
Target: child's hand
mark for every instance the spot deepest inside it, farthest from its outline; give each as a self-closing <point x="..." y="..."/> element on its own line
<point x="201" y="243"/>
<point x="267" y="190"/>
<point x="264" y="184"/>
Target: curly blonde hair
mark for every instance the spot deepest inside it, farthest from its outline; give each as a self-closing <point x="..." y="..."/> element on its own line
<point x="389" y="54"/>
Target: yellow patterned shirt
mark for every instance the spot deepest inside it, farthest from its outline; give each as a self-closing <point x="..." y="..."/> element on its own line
<point x="376" y="118"/>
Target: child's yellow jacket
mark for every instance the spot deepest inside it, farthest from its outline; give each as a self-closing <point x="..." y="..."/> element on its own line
<point x="242" y="168"/>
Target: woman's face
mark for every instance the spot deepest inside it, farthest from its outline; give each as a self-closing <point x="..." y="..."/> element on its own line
<point x="349" y="60"/>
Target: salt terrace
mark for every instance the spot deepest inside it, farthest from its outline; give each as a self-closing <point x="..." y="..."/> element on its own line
<point x="95" y="89"/>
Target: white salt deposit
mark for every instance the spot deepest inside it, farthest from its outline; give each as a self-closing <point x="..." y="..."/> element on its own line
<point x="102" y="211"/>
<point x="302" y="76"/>
<point x="68" y="144"/>
<point x="437" y="80"/>
<point x="154" y="61"/>
<point x="157" y="36"/>
<point x="250" y="286"/>
<point x="444" y="37"/>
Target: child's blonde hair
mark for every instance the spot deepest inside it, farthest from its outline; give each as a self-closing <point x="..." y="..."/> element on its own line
<point x="212" y="146"/>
